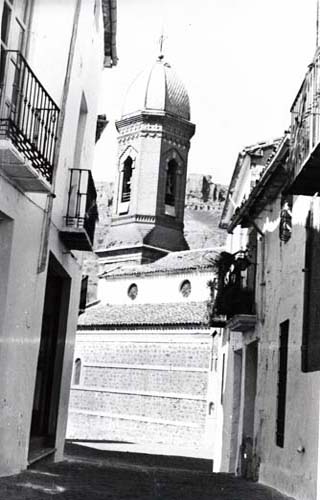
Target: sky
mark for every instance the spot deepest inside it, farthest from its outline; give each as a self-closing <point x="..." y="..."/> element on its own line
<point x="242" y="62"/>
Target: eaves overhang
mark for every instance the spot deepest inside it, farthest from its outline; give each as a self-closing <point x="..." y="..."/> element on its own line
<point x="223" y="224"/>
<point x="272" y="180"/>
<point x="109" y="14"/>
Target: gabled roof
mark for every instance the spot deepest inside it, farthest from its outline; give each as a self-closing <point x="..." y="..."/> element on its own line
<point x="260" y="153"/>
<point x="174" y="262"/>
<point x="109" y="13"/>
<point x="109" y="316"/>
<point x="273" y="178"/>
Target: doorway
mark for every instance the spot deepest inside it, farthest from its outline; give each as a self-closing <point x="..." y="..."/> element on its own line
<point x="247" y="466"/>
<point x="236" y="405"/>
<point x="50" y="362"/>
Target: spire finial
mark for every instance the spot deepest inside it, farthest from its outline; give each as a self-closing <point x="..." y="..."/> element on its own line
<point x="161" y="44"/>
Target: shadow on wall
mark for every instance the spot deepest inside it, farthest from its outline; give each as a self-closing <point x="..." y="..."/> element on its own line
<point x="290" y="292"/>
<point x="137" y="459"/>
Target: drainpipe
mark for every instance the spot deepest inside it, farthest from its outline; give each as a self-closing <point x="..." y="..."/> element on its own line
<point x="43" y="255"/>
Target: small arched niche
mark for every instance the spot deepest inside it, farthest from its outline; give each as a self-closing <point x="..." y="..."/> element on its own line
<point x="77" y="371"/>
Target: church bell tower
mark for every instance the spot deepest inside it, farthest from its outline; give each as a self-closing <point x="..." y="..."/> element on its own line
<point x="154" y="134"/>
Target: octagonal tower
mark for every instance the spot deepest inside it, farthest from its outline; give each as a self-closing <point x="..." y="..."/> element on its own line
<point x="149" y="194"/>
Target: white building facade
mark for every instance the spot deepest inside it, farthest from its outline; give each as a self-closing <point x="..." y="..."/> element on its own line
<point x="271" y="410"/>
<point x="48" y="123"/>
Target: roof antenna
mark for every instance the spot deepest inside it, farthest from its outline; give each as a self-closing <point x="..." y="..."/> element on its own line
<point x="317" y="29"/>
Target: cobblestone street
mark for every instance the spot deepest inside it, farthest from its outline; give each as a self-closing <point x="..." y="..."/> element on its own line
<point x="89" y="474"/>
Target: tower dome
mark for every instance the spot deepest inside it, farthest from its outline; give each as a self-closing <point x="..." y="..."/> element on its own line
<point x="157" y="89"/>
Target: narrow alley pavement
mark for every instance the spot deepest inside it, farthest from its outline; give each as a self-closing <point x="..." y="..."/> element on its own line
<point x="88" y="474"/>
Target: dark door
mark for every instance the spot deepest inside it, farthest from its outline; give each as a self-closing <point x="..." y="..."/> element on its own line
<point x="50" y="361"/>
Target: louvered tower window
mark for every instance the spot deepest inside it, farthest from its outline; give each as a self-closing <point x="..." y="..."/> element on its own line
<point x="126" y="180"/>
<point x="171" y="183"/>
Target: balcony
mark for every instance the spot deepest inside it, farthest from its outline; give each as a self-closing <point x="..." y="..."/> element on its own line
<point x="305" y="134"/>
<point x="235" y="295"/>
<point x="82" y="214"/>
<point x="28" y="126"/>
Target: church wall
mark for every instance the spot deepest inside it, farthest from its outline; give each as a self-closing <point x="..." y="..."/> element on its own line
<point x="173" y="148"/>
<point x="144" y="187"/>
<point x="155" y="288"/>
<point x="147" y="180"/>
<point x="143" y="387"/>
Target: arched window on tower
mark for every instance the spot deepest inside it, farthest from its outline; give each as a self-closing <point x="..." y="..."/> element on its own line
<point x="126" y="180"/>
<point x="171" y="187"/>
<point x="77" y="371"/>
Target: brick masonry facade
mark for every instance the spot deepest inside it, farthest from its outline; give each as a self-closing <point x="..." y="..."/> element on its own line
<point x="142" y="388"/>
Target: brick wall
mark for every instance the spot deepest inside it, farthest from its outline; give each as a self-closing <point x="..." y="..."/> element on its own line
<point x="155" y="407"/>
<point x="141" y="390"/>
<point x="144" y="353"/>
<point x="137" y="379"/>
<point x="125" y="430"/>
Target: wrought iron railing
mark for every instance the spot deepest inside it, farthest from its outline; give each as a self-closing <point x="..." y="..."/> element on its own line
<point x="234" y="294"/>
<point x="29" y="116"/>
<point x="125" y="196"/>
<point x="82" y="212"/>
<point x="305" y="121"/>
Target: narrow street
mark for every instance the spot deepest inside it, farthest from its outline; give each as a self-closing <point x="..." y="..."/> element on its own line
<point x="88" y="474"/>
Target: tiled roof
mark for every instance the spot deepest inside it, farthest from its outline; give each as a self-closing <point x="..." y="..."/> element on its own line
<point x="266" y="188"/>
<point x="138" y="315"/>
<point x="263" y="153"/>
<point x="157" y="88"/>
<point x="188" y="260"/>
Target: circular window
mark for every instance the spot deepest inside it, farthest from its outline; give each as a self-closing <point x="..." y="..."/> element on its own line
<point x="185" y="288"/>
<point x="133" y="291"/>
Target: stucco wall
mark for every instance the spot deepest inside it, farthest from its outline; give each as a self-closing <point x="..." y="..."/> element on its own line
<point x="279" y="297"/>
<point x="292" y="472"/>
<point x="22" y="228"/>
<point x="155" y="288"/>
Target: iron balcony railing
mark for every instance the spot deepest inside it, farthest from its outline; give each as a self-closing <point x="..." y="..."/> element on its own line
<point x="29" y="116"/>
<point x="82" y="212"/>
<point x="305" y="130"/>
<point x="235" y="295"/>
<point x="125" y="197"/>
